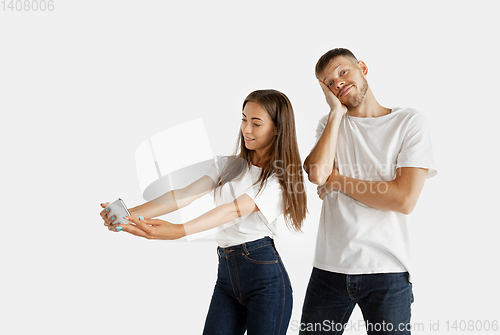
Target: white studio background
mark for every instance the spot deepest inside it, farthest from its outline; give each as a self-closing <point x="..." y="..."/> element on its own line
<point x="83" y="85"/>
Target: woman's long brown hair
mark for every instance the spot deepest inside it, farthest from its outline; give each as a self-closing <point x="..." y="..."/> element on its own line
<point x="284" y="158"/>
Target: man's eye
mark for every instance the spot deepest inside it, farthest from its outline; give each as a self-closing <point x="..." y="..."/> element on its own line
<point x="344" y="72"/>
<point x="330" y="84"/>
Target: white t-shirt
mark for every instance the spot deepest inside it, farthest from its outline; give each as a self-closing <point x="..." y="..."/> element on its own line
<point x="255" y="225"/>
<point x="354" y="238"/>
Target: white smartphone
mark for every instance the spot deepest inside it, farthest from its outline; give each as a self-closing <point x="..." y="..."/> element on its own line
<point x="118" y="209"/>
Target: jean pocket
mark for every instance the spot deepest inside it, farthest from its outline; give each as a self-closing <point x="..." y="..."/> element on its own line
<point x="262" y="255"/>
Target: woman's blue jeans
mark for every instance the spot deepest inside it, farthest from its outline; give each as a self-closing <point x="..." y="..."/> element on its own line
<point x="384" y="299"/>
<point x="253" y="292"/>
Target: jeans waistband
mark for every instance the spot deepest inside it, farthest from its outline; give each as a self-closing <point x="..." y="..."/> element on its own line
<point x="244" y="247"/>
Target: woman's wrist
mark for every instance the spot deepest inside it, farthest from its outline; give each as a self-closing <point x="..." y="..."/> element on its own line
<point x="135" y="211"/>
<point x="181" y="231"/>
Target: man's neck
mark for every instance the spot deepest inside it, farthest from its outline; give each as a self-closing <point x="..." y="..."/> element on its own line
<point x="369" y="107"/>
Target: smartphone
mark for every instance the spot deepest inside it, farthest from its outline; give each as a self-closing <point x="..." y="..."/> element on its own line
<point x="118" y="209"/>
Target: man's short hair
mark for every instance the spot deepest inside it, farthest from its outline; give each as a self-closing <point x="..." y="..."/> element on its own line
<point x="327" y="57"/>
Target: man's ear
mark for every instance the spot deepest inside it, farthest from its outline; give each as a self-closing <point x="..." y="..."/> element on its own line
<point x="363" y="67"/>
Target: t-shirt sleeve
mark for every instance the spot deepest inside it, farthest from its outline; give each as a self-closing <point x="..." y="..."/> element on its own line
<point x="320" y="129"/>
<point x="416" y="149"/>
<point x="269" y="200"/>
<point x="213" y="173"/>
<point x="216" y="168"/>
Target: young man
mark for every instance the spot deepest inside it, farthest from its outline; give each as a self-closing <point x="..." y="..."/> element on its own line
<point x="370" y="163"/>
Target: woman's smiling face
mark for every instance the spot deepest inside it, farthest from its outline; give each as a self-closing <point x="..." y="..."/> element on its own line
<point x="257" y="128"/>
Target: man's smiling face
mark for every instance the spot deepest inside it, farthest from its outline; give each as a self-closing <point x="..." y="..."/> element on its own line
<point x="346" y="79"/>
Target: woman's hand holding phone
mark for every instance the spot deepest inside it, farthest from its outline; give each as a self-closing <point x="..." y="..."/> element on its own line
<point x="108" y="221"/>
<point x="153" y="229"/>
<point x="114" y="213"/>
<point x="139" y="226"/>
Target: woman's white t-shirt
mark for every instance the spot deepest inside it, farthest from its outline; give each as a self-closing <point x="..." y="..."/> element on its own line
<point x="354" y="238"/>
<point x="255" y="225"/>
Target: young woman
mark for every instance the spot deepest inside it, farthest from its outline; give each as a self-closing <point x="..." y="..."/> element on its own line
<point x="262" y="181"/>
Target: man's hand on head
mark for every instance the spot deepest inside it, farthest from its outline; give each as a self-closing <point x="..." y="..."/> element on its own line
<point x="335" y="105"/>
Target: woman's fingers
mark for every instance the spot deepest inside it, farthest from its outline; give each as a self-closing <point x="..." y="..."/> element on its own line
<point x="108" y="220"/>
<point x="141" y="227"/>
<point x="141" y="223"/>
<point x="131" y="229"/>
<point x="104" y="212"/>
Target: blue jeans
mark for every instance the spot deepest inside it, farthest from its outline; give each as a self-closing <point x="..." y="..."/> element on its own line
<point x="384" y="299"/>
<point x="253" y="291"/>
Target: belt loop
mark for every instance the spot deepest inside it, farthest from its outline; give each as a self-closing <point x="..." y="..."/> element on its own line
<point x="245" y="249"/>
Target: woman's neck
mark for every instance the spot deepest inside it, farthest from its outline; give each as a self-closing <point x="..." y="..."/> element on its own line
<point x="259" y="160"/>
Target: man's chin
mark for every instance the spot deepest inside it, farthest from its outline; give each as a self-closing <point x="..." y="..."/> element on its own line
<point x="350" y="105"/>
<point x="353" y="103"/>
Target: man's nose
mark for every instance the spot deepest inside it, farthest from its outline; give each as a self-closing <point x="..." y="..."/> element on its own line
<point x="339" y="84"/>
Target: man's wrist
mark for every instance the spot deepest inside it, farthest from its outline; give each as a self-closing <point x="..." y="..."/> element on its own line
<point x="335" y="115"/>
<point x="334" y="182"/>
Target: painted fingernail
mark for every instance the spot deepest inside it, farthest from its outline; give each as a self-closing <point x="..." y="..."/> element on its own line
<point x="113" y="218"/>
<point x="119" y="228"/>
<point x="141" y="218"/>
<point x="107" y="209"/>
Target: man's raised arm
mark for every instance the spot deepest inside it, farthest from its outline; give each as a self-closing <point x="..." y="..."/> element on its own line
<point x="320" y="162"/>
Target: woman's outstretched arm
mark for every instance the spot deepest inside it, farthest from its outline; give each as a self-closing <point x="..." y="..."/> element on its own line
<point x="167" y="203"/>
<point x="164" y="230"/>
<point x="175" y="199"/>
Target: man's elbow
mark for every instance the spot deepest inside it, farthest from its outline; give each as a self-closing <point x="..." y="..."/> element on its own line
<point x="406" y="205"/>
<point x="314" y="174"/>
<point x="318" y="180"/>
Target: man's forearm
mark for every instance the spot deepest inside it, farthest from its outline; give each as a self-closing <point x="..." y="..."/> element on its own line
<point x="377" y="194"/>
<point x="399" y="195"/>
<point x="319" y="163"/>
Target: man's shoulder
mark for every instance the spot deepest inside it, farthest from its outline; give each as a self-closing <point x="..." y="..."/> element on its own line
<point x="323" y="119"/>
<point x="406" y="112"/>
<point x="322" y="123"/>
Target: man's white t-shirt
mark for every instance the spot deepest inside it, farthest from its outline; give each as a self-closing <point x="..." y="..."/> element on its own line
<point x="354" y="238"/>
<point x="255" y="225"/>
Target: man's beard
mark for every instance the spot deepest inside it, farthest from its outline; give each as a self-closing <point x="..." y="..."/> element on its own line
<point x="356" y="100"/>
